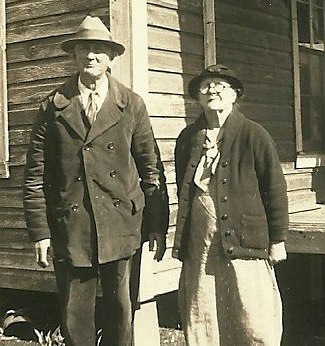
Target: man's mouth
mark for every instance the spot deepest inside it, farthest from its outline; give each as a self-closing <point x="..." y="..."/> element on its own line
<point x="213" y="98"/>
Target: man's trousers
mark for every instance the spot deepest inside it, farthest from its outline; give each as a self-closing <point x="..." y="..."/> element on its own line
<point x="77" y="293"/>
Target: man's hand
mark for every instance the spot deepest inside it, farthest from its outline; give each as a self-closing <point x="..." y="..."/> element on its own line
<point x="41" y="250"/>
<point x="277" y="253"/>
<point x="160" y="241"/>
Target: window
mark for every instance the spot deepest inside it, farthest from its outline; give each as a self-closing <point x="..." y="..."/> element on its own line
<point x="308" y="46"/>
<point x="4" y="145"/>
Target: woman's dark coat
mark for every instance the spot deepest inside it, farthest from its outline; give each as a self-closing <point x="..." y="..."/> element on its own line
<point x="82" y="185"/>
<point x="252" y="203"/>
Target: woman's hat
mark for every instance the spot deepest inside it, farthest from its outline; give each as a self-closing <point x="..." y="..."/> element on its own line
<point x="92" y="29"/>
<point x="220" y="71"/>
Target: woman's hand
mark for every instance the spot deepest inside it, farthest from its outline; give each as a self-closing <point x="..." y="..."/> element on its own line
<point x="277" y="253"/>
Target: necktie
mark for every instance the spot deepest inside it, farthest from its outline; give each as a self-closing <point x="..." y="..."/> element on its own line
<point x="209" y="160"/>
<point x="91" y="110"/>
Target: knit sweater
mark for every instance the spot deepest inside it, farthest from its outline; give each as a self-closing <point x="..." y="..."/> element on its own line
<point x="252" y="202"/>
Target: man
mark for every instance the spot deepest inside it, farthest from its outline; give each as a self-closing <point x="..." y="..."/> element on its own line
<point x="92" y="164"/>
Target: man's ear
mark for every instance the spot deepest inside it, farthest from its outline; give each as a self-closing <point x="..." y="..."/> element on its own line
<point x="111" y="63"/>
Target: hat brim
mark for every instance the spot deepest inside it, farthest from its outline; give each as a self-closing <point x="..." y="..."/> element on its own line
<point x="193" y="86"/>
<point x="69" y="44"/>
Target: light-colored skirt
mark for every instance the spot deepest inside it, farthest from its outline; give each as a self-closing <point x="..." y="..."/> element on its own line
<point x="225" y="302"/>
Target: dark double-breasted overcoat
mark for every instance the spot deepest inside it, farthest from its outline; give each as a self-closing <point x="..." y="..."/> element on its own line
<point x="85" y="186"/>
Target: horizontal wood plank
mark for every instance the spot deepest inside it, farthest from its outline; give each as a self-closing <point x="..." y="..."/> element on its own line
<point x="16" y="178"/>
<point x="251" y="36"/>
<point x="31" y="93"/>
<point x="160" y="60"/>
<point x="168" y="18"/>
<point x="44" y="48"/>
<point x="301" y="200"/>
<point x="186" y="43"/>
<point x="12" y="219"/>
<point x="270" y="66"/>
<point x="27" y="280"/>
<point x="21" y="11"/>
<point x="43" y="70"/>
<point x="160" y="104"/>
<point x="167" y="281"/>
<point x="300" y="181"/>
<point x="22" y="116"/>
<point x="188" y="5"/>
<point x="278" y="8"/>
<point x="22" y="259"/>
<point x="252" y="17"/>
<point x="50" y="26"/>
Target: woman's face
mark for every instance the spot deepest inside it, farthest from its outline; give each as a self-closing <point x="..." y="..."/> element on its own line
<point x="216" y="94"/>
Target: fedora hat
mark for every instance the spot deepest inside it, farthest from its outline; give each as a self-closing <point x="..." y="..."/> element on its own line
<point x="220" y="71"/>
<point x="92" y="29"/>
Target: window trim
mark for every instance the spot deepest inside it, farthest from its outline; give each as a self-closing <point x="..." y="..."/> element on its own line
<point x="4" y="136"/>
<point x="296" y="74"/>
<point x="303" y="160"/>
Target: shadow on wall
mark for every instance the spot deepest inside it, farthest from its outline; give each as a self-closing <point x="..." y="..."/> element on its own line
<point x="191" y="36"/>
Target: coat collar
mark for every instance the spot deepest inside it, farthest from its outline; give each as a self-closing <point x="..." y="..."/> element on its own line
<point x="66" y="101"/>
<point x="231" y="128"/>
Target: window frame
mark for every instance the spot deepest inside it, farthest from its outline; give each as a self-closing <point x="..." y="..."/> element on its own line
<point x="4" y="136"/>
<point x="304" y="160"/>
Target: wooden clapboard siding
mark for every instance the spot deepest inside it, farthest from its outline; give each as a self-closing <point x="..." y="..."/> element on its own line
<point x="35" y="65"/>
<point x="175" y="55"/>
<point x="255" y="41"/>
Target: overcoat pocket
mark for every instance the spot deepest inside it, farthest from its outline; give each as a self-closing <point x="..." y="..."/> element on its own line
<point x="138" y="202"/>
<point x="254" y="231"/>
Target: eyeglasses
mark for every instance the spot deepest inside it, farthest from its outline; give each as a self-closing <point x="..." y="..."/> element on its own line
<point x="219" y="87"/>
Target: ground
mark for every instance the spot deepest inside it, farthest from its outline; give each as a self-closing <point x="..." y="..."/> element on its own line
<point x="42" y="310"/>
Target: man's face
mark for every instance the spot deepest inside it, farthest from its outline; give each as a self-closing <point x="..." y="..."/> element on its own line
<point x="93" y="58"/>
<point x="216" y="94"/>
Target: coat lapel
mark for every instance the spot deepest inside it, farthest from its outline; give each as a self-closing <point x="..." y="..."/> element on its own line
<point x="111" y="111"/>
<point x="232" y="126"/>
<point x="68" y="107"/>
<point x="108" y="115"/>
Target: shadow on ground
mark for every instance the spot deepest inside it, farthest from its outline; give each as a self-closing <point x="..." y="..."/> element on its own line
<point x="40" y="310"/>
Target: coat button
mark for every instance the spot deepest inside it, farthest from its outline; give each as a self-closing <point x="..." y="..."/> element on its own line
<point x="110" y="145"/>
<point x="230" y="250"/>
<point x="224" y="217"/>
<point x="227" y="233"/>
<point x="224" y="199"/>
<point x="113" y="174"/>
<point x="117" y="202"/>
<point x="75" y="207"/>
<point x="224" y="181"/>
<point x="225" y="163"/>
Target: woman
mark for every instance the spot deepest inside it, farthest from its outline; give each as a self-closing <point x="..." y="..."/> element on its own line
<point x="231" y="223"/>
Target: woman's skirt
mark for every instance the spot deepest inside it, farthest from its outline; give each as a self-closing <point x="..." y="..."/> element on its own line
<point x="225" y="302"/>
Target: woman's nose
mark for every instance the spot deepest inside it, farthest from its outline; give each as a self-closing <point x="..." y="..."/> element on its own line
<point x="91" y="55"/>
